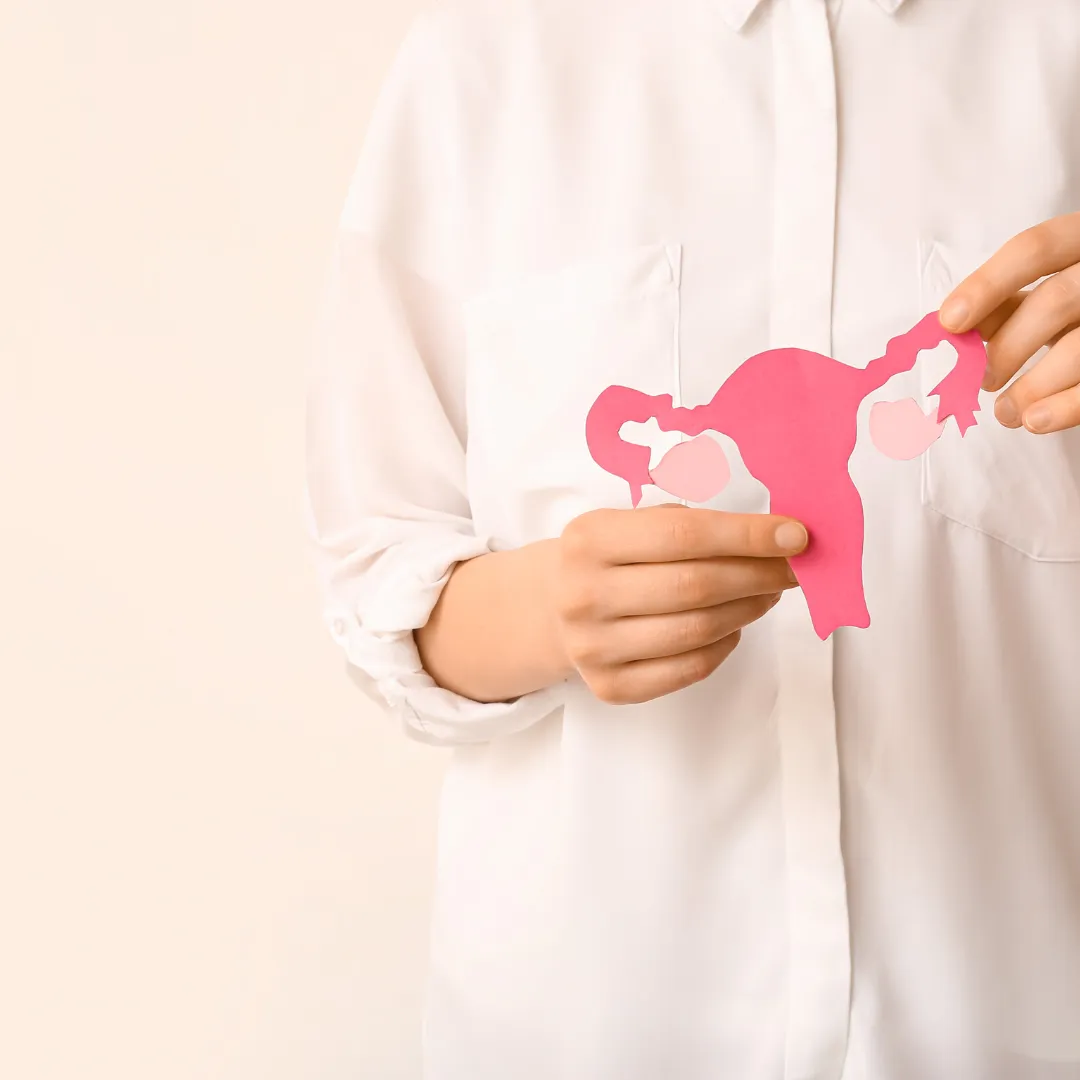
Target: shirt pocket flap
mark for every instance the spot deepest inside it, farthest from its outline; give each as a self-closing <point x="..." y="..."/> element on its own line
<point x="539" y="352"/>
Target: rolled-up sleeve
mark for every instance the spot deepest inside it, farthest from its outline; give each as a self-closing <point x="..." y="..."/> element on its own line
<point x="387" y="501"/>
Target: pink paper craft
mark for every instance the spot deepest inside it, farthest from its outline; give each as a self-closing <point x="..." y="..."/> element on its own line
<point x="696" y="471"/>
<point x="793" y="415"/>
<point x="901" y="430"/>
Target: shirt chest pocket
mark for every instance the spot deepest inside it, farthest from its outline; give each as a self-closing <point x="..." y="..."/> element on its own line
<point x="538" y="354"/>
<point x="1018" y="488"/>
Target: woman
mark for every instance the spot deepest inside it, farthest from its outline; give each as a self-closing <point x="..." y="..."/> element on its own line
<point x="681" y="836"/>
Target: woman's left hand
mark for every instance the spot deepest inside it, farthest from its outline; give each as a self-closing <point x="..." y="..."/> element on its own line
<point x="1016" y="324"/>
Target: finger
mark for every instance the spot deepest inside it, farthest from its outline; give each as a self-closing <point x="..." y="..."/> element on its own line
<point x="666" y="588"/>
<point x="646" y="680"/>
<point x="662" y="534"/>
<point x="1044" y="315"/>
<point x="1055" y="413"/>
<point x="1057" y="371"/>
<point x="999" y="316"/>
<point x="649" y="637"/>
<point x="1044" y="249"/>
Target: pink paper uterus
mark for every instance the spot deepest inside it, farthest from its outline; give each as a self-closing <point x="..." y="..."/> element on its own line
<point x="793" y="414"/>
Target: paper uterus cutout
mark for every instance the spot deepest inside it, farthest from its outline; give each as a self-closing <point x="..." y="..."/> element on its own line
<point x="793" y="415"/>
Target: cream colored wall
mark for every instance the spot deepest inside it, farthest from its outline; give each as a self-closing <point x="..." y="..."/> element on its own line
<point x="215" y="857"/>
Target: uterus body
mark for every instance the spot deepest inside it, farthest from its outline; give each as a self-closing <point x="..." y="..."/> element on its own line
<point x="793" y="414"/>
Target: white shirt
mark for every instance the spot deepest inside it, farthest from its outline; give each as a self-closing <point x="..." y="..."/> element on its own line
<point x="857" y="858"/>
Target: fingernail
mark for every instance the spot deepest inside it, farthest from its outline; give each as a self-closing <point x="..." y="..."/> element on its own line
<point x="1006" y="411"/>
<point x="791" y="536"/>
<point x="792" y="577"/>
<point x="774" y="600"/>
<point x="1038" y="418"/>
<point x="954" y="313"/>
<point x="989" y="380"/>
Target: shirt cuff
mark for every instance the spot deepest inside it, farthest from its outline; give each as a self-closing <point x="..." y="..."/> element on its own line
<point x="385" y="662"/>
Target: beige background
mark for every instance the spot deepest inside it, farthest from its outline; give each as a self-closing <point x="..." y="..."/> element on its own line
<point x="215" y="857"/>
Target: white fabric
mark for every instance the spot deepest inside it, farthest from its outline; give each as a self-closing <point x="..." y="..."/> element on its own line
<point x="854" y="860"/>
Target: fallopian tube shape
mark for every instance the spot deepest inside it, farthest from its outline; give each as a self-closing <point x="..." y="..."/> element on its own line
<point x="793" y="415"/>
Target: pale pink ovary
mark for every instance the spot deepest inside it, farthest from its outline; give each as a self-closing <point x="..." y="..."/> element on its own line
<point x="695" y="471"/>
<point x="901" y="430"/>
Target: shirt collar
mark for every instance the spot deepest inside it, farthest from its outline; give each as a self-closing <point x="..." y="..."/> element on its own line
<point x="737" y="12"/>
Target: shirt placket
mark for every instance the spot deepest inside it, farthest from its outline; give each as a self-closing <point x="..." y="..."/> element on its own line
<point x="804" y="224"/>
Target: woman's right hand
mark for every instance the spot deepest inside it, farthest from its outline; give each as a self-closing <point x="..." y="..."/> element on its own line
<point x="650" y="601"/>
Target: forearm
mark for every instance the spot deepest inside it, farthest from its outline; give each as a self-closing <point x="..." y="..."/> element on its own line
<point x="493" y="636"/>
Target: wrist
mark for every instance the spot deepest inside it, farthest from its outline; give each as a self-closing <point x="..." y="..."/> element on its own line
<point x="548" y="554"/>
